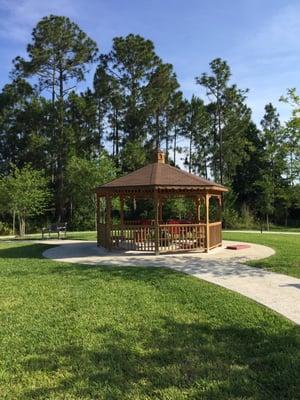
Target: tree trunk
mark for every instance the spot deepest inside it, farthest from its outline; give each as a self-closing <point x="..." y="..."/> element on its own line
<point x="22" y="229"/>
<point x="100" y="133"/>
<point x="205" y="167"/>
<point x="175" y="144"/>
<point x="157" y="131"/>
<point x="267" y="221"/>
<point x="190" y="154"/>
<point x="61" y="153"/>
<point x="14" y="223"/>
<point x="117" y="136"/>
<point x="220" y="141"/>
<point x="167" y="142"/>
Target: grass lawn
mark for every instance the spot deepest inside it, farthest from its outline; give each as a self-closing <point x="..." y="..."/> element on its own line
<point x="87" y="235"/>
<point x="287" y="247"/>
<point x="78" y="332"/>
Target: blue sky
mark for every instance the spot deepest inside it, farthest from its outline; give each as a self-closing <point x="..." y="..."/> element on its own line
<point x="259" y="39"/>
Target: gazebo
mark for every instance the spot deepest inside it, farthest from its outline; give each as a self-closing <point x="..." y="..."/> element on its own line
<point x="159" y="181"/>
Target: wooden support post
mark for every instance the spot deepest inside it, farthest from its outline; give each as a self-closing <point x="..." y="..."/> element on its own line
<point x="98" y="218"/>
<point x="197" y="209"/>
<point x="160" y="210"/>
<point x="220" y="202"/>
<point x="122" y="217"/>
<point x="108" y="223"/>
<point x="207" y="197"/>
<point x="156" y="224"/>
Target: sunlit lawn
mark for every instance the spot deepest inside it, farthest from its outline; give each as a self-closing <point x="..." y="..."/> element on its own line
<point x="78" y="332"/>
<point x="287" y="247"/>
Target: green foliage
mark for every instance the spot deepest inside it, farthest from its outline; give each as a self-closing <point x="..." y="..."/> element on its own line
<point x="230" y="119"/>
<point x="292" y="135"/>
<point x="58" y="58"/>
<point x="133" y="156"/>
<point x="58" y="54"/>
<point x="83" y="176"/>
<point x="5" y="229"/>
<point x="135" y="106"/>
<point x="179" y="208"/>
<point x="26" y="194"/>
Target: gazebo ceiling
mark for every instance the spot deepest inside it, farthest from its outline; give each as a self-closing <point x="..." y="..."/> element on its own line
<point x="160" y="176"/>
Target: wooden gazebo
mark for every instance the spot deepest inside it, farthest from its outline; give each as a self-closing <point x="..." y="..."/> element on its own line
<point x="159" y="181"/>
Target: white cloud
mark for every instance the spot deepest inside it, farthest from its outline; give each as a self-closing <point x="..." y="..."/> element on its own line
<point x="20" y="16"/>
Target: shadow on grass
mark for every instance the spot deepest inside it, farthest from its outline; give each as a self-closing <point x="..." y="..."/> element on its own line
<point x="34" y="251"/>
<point x="17" y="250"/>
<point x="175" y="358"/>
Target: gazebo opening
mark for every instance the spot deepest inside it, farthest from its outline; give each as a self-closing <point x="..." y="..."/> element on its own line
<point x="159" y="208"/>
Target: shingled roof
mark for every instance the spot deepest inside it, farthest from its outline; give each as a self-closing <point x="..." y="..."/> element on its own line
<point x="159" y="175"/>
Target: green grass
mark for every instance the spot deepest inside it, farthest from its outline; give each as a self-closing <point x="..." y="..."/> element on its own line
<point x="87" y="235"/>
<point x="80" y="332"/>
<point x="272" y="229"/>
<point x="287" y="247"/>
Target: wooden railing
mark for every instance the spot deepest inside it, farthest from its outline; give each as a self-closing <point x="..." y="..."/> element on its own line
<point x="178" y="237"/>
<point x="171" y="237"/>
<point x="133" y="237"/>
<point x="215" y="234"/>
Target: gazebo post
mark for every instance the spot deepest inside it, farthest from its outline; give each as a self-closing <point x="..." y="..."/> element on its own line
<point x="108" y="222"/>
<point x="197" y="209"/>
<point x="220" y="202"/>
<point x="156" y="223"/>
<point x="98" y="218"/>
<point x="207" y="197"/>
<point x="122" y="216"/>
<point x="160" y="210"/>
<point x="219" y="198"/>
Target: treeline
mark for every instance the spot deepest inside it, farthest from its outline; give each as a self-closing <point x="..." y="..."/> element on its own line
<point x="78" y="140"/>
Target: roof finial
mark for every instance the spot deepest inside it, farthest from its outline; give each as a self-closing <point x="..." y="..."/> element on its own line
<point x="160" y="157"/>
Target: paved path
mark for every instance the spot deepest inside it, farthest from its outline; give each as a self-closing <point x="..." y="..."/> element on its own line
<point x="222" y="267"/>
<point x="263" y="232"/>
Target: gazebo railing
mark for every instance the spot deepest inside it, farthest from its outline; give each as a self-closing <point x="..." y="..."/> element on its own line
<point x="215" y="234"/>
<point x="133" y="237"/>
<point x="178" y="237"/>
<point x="171" y="237"/>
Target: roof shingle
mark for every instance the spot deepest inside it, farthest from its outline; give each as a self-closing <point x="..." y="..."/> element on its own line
<point x="160" y="175"/>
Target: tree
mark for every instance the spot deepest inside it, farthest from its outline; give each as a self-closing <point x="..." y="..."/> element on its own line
<point x="250" y="171"/>
<point x="275" y="157"/>
<point x="107" y="96"/>
<point x="230" y="118"/>
<point x="160" y="93"/>
<point x="27" y="194"/>
<point x="59" y="55"/>
<point x="82" y="177"/>
<point x="292" y="136"/>
<point x="127" y="71"/>
<point x="195" y="127"/>
<point x="23" y="117"/>
<point x="81" y="122"/>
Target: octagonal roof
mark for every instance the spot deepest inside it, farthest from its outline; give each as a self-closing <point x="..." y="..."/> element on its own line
<point x="159" y="175"/>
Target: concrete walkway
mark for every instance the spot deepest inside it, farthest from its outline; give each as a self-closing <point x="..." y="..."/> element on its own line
<point x="264" y="232"/>
<point x="221" y="266"/>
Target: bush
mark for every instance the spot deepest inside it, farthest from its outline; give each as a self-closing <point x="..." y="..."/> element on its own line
<point x="5" y="229"/>
<point x="230" y="218"/>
